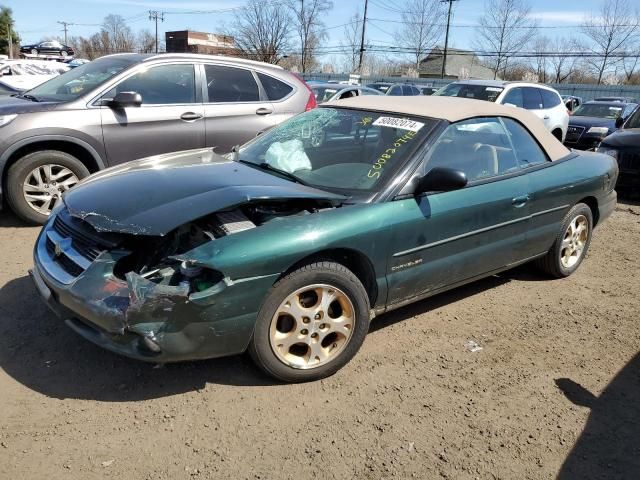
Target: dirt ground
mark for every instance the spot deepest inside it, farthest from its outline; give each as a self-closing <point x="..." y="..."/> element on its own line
<point x="554" y="392"/>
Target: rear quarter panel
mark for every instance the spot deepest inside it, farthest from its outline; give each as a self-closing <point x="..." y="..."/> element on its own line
<point x="559" y="186"/>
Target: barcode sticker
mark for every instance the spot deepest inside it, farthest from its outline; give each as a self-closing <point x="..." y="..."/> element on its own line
<point x="401" y="123"/>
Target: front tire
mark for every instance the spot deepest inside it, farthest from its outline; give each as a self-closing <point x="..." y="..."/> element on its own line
<point x="571" y="244"/>
<point x="36" y="182"/>
<point x="312" y="322"/>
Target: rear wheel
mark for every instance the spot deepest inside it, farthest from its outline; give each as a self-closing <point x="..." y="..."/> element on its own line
<point x="63" y="53"/>
<point x="571" y="244"/>
<point x="313" y="321"/>
<point x="36" y="182"/>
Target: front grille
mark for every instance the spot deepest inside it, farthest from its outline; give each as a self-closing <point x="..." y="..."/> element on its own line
<point x="71" y="246"/>
<point x="629" y="161"/>
<point x="84" y="245"/>
<point x="573" y="133"/>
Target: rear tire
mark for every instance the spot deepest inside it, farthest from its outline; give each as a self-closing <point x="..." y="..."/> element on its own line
<point x="312" y="322"/>
<point x="571" y="244"/>
<point x="66" y="170"/>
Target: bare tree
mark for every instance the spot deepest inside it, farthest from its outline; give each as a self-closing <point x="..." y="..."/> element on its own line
<point x="503" y="31"/>
<point x="611" y="30"/>
<point x="307" y="16"/>
<point x="262" y="31"/>
<point x="146" y="41"/>
<point x="541" y="48"/>
<point x="423" y="25"/>
<point x="115" y="35"/>
<point x="630" y="64"/>
<point x="350" y="43"/>
<point x="563" y="65"/>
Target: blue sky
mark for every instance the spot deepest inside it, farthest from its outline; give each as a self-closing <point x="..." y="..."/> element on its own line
<point x="35" y="19"/>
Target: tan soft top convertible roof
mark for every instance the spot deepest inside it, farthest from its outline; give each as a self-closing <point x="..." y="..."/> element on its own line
<point x="455" y="109"/>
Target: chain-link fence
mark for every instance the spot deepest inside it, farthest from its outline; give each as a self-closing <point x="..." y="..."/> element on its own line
<point x="585" y="91"/>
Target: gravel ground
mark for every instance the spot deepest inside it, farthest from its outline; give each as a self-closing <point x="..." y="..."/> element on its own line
<point x="554" y="392"/>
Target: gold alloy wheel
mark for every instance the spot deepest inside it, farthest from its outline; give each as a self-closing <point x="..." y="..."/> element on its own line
<point x="312" y="326"/>
<point x="574" y="241"/>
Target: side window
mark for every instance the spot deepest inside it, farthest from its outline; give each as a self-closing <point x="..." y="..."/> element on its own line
<point x="161" y="85"/>
<point x="396" y="90"/>
<point x="550" y="99"/>
<point x="480" y="147"/>
<point x="532" y="98"/>
<point x="527" y="150"/>
<point x="276" y="90"/>
<point x="229" y="84"/>
<point x="514" y="97"/>
<point x="407" y="90"/>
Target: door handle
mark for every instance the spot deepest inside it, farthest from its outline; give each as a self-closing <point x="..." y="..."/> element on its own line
<point x="546" y="117"/>
<point x="520" y="201"/>
<point x="190" y="116"/>
<point x="264" y="111"/>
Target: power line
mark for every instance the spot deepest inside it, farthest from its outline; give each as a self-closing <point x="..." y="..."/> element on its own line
<point x="65" y="26"/>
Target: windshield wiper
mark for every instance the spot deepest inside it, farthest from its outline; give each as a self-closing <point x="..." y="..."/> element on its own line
<point x="267" y="166"/>
<point x="28" y="97"/>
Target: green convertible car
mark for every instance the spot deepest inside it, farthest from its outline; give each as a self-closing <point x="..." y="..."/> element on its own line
<point x="290" y="245"/>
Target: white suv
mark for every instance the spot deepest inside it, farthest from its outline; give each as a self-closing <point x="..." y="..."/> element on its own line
<point x="543" y="101"/>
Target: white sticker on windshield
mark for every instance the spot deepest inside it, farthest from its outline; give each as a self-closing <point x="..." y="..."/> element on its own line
<point x="617" y="109"/>
<point x="402" y="123"/>
<point x="493" y="89"/>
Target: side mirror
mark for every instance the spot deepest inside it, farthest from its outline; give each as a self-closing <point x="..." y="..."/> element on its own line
<point x="441" y="179"/>
<point x="126" y="99"/>
<point x="619" y="122"/>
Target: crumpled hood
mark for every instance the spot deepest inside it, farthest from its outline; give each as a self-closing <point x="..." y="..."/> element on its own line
<point x="588" y="122"/>
<point x="625" y="138"/>
<point x="11" y="105"/>
<point x="155" y="195"/>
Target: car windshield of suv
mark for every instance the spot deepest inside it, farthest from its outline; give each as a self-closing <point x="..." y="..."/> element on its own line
<point x="81" y="80"/>
<point x="465" y="90"/>
<point x="598" y="110"/>
<point x="344" y="151"/>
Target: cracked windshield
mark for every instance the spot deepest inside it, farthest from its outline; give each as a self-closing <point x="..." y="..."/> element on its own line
<point x="339" y="150"/>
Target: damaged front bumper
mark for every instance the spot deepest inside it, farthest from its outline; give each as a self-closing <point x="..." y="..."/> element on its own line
<point x="141" y="319"/>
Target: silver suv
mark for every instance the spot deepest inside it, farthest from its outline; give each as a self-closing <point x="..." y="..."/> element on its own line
<point x="127" y="106"/>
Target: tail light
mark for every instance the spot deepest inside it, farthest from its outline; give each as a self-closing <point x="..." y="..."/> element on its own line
<point x="311" y="102"/>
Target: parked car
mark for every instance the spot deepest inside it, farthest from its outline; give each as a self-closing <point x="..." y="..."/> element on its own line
<point x="624" y="146"/>
<point x="541" y="100"/>
<point x="76" y="62"/>
<point x="382" y="86"/>
<point x="571" y="102"/>
<point x="48" y="48"/>
<point x="403" y="90"/>
<point x="292" y="244"/>
<point x="122" y="107"/>
<point x="593" y="121"/>
<point x="22" y="75"/>
<point x="425" y="90"/>
<point x="330" y="92"/>
<point x="616" y="99"/>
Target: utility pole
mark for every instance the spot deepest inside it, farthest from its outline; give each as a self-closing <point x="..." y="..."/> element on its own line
<point x="446" y="37"/>
<point x="65" y="26"/>
<point x="10" y="39"/>
<point x="364" y="26"/>
<point x="156" y="15"/>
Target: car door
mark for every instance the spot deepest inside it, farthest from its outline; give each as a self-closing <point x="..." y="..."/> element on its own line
<point x="169" y="119"/>
<point x="236" y="110"/>
<point x="456" y="236"/>
<point x="548" y="189"/>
